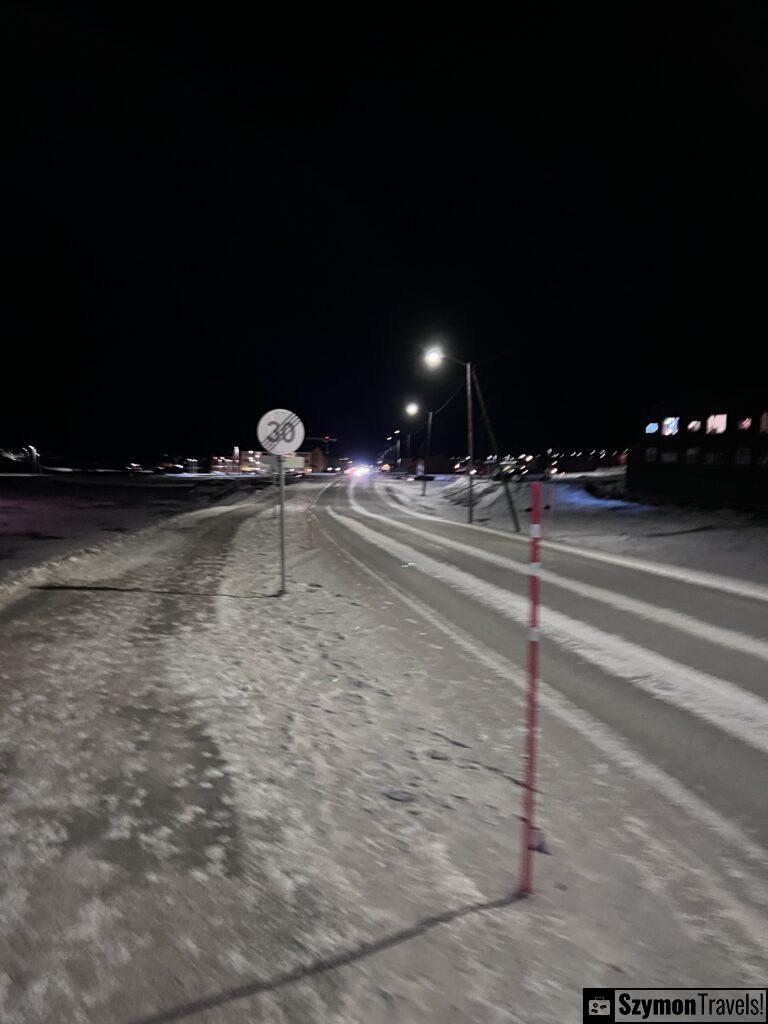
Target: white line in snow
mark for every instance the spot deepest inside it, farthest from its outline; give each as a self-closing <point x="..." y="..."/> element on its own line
<point x="726" y="584"/>
<point x="609" y="744"/>
<point x="717" y="701"/>
<point x="667" y="617"/>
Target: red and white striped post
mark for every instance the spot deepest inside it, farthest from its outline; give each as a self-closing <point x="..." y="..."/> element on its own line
<point x="526" y="869"/>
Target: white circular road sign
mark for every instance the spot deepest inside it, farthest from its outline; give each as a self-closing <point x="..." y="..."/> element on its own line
<point x="280" y="432"/>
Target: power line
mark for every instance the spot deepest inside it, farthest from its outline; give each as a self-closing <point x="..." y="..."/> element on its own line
<point x="458" y="389"/>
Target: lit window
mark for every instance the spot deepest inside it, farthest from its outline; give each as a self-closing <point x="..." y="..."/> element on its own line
<point x="652" y="428"/>
<point x="670" y="425"/>
<point x="651" y="454"/>
<point x="669" y="456"/>
<point x="746" y="423"/>
<point x="764" y="423"/>
<point x="743" y="456"/>
<point x="716" y="423"/>
<point x="693" y="426"/>
<point x="692" y="455"/>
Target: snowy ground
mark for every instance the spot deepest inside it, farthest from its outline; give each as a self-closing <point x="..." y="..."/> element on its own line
<point x="727" y="541"/>
<point x="224" y="807"/>
<point x="46" y="518"/>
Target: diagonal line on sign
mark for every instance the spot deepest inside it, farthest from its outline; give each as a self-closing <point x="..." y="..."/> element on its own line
<point x="294" y="419"/>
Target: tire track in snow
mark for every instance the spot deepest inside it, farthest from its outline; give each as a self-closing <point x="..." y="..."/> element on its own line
<point x="730" y="638"/>
<point x="610" y="744"/>
<point x="697" y="578"/>
<point x="717" y="701"/>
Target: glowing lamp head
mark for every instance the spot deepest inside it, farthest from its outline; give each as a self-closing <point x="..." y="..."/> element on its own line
<point x="411" y="408"/>
<point x="433" y="357"/>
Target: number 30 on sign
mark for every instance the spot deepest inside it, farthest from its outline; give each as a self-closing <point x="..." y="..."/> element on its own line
<point x="280" y="432"/>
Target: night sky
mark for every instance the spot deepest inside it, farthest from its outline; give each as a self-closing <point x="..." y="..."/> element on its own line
<point x="209" y="215"/>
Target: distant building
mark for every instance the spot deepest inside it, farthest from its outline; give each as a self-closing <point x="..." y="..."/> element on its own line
<point x="256" y="462"/>
<point x="438" y="464"/>
<point x="707" y="447"/>
<point x="291" y="463"/>
<point x="240" y="461"/>
<point x="314" y="460"/>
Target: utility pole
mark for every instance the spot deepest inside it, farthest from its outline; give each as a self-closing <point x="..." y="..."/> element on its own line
<point x="489" y="428"/>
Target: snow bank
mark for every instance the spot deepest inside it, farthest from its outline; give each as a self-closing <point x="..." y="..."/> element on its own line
<point x="726" y="541"/>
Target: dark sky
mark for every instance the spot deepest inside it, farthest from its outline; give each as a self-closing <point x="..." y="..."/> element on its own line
<point x="209" y="215"/>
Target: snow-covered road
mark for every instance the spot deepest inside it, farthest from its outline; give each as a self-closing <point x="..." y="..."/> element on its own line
<point x="221" y="806"/>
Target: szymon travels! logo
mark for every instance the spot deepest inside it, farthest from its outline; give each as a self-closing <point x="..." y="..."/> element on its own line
<point x="688" y="1005"/>
<point x="598" y="1002"/>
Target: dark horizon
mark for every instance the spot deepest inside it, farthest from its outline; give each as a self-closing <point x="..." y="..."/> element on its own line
<point x="209" y="217"/>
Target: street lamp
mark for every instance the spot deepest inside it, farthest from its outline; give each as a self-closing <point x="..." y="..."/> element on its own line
<point x="394" y="437"/>
<point x="411" y="409"/>
<point x="433" y="357"/>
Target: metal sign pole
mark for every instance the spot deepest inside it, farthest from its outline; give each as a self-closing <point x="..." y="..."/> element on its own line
<point x="281" y="473"/>
<point x="281" y="432"/>
<point x="470" y="441"/>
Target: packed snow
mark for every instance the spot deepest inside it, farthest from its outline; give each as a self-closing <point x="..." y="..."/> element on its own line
<point x="725" y="541"/>
<point x="44" y="518"/>
<point x="232" y="807"/>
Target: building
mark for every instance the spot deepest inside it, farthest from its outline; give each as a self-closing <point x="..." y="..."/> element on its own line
<point x="255" y="462"/>
<point x="706" y="447"/>
<point x="240" y="461"/>
<point x="315" y="461"/>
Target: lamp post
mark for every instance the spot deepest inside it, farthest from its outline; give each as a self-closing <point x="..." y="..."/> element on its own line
<point x="426" y="453"/>
<point x="411" y="410"/>
<point x="433" y="357"/>
<point x="392" y="449"/>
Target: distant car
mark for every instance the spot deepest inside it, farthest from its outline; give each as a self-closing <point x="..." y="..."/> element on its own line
<point x="510" y="472"/>
<point x="521" y="471"/>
